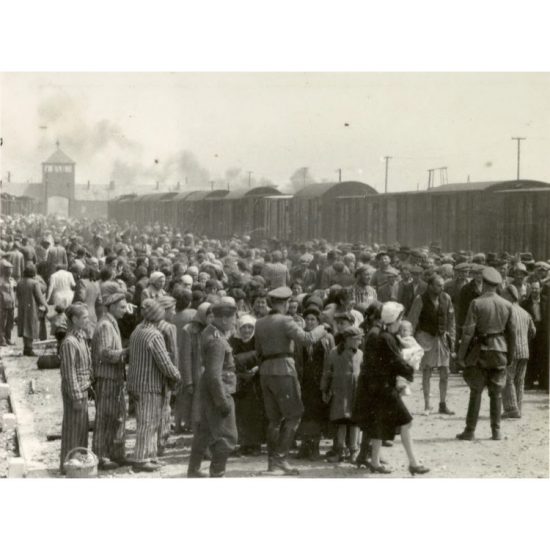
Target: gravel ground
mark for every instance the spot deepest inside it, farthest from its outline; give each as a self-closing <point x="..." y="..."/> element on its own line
<point x="522" y="453"/>
<point x="8" y="440"/>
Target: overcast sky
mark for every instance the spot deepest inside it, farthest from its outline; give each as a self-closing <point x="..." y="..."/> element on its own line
<point x="115" y="126"/>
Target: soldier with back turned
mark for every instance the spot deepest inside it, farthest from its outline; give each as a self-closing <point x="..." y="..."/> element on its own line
<point x="487" y="346"/>
<point x="275" y="336"/>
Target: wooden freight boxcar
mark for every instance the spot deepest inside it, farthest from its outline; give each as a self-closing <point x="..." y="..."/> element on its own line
<point x="317" y="212"/>
<point x="524" y="225"/>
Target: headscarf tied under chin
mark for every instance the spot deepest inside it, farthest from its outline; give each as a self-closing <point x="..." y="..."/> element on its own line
<point x="246" y="320"/>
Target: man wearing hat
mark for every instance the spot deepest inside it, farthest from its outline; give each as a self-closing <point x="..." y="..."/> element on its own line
<point x="455" y="285"/>
<point x="150" y="369"/>
<point x="217" y="429"/>
<point x="275" y="337"/>
<point x="470" y="291"/>
<point x="362" y="294"/>
<point x="487" y="347"/>
<point x="389" y="289"/>
<point x="108" y="360"/>
<point x="412" y="288"/>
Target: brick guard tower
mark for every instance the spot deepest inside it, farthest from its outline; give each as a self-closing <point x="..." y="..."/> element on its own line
<point x="58" y="178"/>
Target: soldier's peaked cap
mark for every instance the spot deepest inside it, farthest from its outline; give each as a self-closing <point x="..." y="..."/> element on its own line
<point x="280" y="293"/>
<point x="225" y="308"/>
<point x="492" y="276"/>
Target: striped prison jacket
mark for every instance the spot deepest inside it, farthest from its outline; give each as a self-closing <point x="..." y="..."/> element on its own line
<point x="150" y="364"/>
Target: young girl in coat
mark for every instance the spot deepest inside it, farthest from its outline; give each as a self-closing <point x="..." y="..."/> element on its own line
<point x="339" y="386"/>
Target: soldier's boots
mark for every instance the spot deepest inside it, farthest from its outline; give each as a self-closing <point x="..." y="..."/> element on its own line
<point x="218" y="465"/>
<point x="194" y="466"/>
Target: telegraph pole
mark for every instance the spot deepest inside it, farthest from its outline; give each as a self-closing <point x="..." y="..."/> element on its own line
<point x="339" y="175"/>
<point x="387" y="160"/>
<point x="519" y="140"/>
<point x="250" y="178"/>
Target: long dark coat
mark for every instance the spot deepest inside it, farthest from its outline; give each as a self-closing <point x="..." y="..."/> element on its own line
<point x="29" y="298"/>
<point x="249" y="403"/>
<point x="382" y="411"/>
<point x="310" y="360"/>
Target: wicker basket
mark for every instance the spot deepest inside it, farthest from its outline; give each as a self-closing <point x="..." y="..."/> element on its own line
<point x="80" y="470"/>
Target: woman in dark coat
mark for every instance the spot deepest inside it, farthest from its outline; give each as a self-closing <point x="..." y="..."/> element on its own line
<point x="372" y="327"/>
<point x="385" y="410"/>
<point x="31" y="302"/>
<point x="249" y="405"/>
<point x="310" y="360"/>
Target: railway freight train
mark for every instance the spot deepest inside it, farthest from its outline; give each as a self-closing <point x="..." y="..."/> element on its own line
<point x="499" y="216"/>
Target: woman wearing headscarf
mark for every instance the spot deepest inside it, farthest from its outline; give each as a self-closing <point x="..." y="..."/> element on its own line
<point x="30" y="303"/>
<point x="386" y="412"/>
<point x="310" y="359"/>
<point x="155" y="288"/>
<point x="249" y="405"/>
<point x="76" y="381"/>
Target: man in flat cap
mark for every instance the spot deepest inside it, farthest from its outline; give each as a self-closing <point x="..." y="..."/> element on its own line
<point x="488" y="345"/>
<point x="108" y="360"/>
<point x="275" y="336"/>
<point x="412" y="288"/>
<point x="217" y="429"/>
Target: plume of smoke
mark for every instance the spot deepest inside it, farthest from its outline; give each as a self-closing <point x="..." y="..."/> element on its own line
<point x="103" y="147"/>
<point x="299" y="179"/>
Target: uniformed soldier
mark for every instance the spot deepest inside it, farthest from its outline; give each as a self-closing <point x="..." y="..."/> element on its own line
<point x="275" y="336"/>
<point x="217" y="430"/>
<point x="487" y="346"/>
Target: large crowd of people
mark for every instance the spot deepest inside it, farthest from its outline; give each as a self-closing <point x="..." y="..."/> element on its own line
<point x="254" y="346"/>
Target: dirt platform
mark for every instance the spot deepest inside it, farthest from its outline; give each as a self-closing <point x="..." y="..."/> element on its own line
<point x="522" y="453"/>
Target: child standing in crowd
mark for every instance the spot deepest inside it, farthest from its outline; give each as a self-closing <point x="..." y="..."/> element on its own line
<point x="411" y="351"/>
<point x="339" y="386"/>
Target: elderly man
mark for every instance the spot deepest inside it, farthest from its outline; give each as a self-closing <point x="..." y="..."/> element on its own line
<point x="487" y="347"/>
<point x="149" y="373"/>
<point x="217" y="428"/>
<point x="108" y="360"/>
<point x="305" y="274"/>
<point x="433" y="318"/>
<point x="274" y="337"/>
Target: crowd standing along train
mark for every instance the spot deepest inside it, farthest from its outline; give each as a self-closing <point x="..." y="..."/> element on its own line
<point x="506" y="215"/>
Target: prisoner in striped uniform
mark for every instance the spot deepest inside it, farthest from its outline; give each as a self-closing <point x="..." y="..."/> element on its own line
<point x="76" y="379"/>
<point x="150" y="368"/>
<point x="108" y="359"/>
<point x="512" y="395"/>
<point x="168" y="331"/>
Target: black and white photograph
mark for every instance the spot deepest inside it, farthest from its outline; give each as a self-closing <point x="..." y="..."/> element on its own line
<point x="274" y="274"/>
<point x="258" y="277"/>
